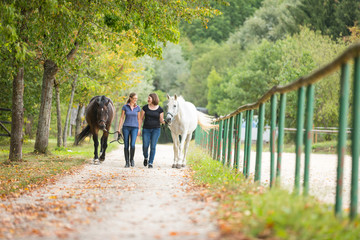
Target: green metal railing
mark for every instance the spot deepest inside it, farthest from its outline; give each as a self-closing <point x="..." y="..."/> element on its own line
<point x="220" y="142"/>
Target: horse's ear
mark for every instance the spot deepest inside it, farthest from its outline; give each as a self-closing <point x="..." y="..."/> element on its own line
<point x="175" y="97"/>
<point x="98" y="100"/>
<point x="167" y="95"/>
<point x="107" y="102"/>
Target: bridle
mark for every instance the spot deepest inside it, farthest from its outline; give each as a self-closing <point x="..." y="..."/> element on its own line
<point x="169" y="113"/>
<point x="174" y="114"/>
<point x="100" y="121"/>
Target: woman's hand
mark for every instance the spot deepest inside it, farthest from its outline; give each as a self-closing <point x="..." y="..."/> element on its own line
<point x="119" y="136"/>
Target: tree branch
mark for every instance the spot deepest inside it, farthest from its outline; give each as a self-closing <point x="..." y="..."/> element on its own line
<point x="121" y="35"/>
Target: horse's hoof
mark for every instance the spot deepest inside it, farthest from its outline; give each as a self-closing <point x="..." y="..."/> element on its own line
<point x="178" y="166"/>
<point x="102" y="160"/>
<point x="174" y="165"/>
<point x="96" y="161"/>
<point x="183" y="165"/>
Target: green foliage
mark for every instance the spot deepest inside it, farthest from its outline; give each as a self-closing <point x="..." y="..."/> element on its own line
<point x="273" y="21"/>
<point x="172" y="71"/>
<point x="108" y="35"/>
<point x="144" y="74"/>
<point x="219" y="57"/>
<point x="268" y="64"/>
<point x="245" y="208"/>
<point x="332" y="18"/>
<point x="216" y="93"/>
<point x="220" y="27"/>
<point x="252" y="77"/>
<point x="147" y="23"/>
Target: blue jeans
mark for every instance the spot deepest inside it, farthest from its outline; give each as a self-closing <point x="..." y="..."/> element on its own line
<point x="129" y="132"/>
<point x="150" y="136"/>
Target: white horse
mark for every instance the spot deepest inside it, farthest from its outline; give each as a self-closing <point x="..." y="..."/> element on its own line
<point x="182" y="119"/>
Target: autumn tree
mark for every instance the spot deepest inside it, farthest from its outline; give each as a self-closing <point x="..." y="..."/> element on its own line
<point x="54" y="31"/>
<point x="14" y="50"/>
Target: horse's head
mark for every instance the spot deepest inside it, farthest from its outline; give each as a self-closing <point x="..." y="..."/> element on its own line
<point x="172" y="109"/>
<point x="102" y="111"/>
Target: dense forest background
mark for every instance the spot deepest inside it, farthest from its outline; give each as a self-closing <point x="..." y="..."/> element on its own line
<point x="220" y="63"/>
<point x="255" y="45"/>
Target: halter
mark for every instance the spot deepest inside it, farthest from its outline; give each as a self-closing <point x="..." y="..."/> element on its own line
<point x="100" y="121"/>
<point x="172" y="115"/>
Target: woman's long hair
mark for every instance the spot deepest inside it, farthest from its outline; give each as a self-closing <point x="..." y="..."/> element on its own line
<point x="130" y="96"/>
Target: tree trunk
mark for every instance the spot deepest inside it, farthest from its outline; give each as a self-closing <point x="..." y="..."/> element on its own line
<point x="117" y="117"/>
<point x="67" y="121"/>
<point x="17" y="117"/>
<point x="58" y="113"/>
<point x="78" y="119"/>
<point x="29" y="125"/>
<point x="42" y="134"/>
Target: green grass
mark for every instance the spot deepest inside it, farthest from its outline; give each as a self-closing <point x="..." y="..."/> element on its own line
<point x="37" y="169"/>
<point x="247" y="209"/>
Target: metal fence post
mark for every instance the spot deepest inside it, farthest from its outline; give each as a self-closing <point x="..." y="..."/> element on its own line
<point x="341" y="148"/>
<point x="309" y="123"/>
<point x="231" y="131"/>
<point x="272" y="139"/>
<point x="218" y="153"/>
<point x="280" y="136"/>
<point x="246" y="140"/>
<point x="225" y="141"/>
<point x="259" y="142"/>
<point x="251" y="112"/>
<point x="238" y="141"/>
<point x="215" y="144"/>
<point x="355" y="140"/>
<point x="299" y="137"/>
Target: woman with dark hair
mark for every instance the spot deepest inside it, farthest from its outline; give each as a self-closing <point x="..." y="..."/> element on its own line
<point x="130" y="127"/>
<point x="152" y="115"/>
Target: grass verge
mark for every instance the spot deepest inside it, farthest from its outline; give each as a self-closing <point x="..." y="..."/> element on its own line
<point x="248" y="211"/>
<point x="37" y="169"/>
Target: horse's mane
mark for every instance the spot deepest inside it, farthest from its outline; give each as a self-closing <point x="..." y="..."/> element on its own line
<point x="103" y="100"/>
<point x="205" y="121"/>
<point x="181" y="102"/>
<point x="180" y="99"/>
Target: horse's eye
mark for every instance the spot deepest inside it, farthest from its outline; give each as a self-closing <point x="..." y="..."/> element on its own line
<point x="174" y="105"/>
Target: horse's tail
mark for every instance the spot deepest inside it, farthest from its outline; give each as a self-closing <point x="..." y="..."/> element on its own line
<point x="205" y="121"/>
<point x="84" y="133"/>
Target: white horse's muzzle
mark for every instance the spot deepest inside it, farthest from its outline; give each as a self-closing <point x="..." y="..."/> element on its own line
<point x="169" y="118"/>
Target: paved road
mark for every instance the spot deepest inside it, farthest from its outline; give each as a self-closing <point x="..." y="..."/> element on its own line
<point x="108" y="201"/>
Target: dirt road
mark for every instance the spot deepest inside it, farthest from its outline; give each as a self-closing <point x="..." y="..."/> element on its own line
<point x="109" y="201"/>
<point x="322" y="175"/>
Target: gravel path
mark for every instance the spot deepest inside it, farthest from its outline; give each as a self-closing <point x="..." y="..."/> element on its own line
<point x="108" y="201"/>
<point x="322" y="175"/>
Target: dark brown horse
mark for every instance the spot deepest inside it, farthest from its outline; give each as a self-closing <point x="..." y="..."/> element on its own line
<point x="99" y="115"/>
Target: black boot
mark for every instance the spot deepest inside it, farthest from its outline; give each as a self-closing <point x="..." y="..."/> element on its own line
<point x="132" y="152"/>
<point x="126" y="153"/>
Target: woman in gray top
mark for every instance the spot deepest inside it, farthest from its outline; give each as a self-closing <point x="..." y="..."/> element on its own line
<point x="130" y="127"/>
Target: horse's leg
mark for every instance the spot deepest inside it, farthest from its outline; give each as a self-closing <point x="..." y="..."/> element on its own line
<point x="186" y="147"/>
<point x="96" y="145"/>
<point x="181" y="148"/>
<point x="176" y="148"/>
<point x="103" y="145"/>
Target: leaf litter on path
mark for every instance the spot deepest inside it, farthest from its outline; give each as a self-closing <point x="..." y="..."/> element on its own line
<point x="109" y="201"/>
